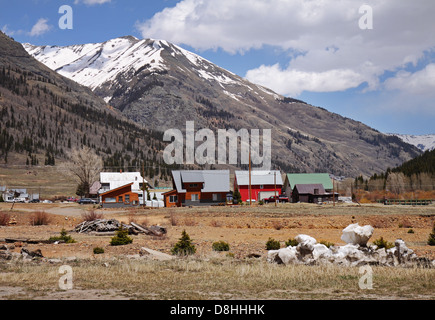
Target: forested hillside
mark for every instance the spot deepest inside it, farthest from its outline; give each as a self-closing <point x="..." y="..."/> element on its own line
<point x="44" y="116"/>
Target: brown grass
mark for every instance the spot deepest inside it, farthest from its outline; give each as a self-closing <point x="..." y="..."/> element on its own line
<point x="220" y="277"/>
<point x="40" y="218"/>
<point x="4" y="218"/>
<point x="91" y="215"/>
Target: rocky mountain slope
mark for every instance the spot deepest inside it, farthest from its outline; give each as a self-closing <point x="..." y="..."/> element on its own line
<point x="43" y="116"/>
<point x="424" y="142"/>
<point x="160" y="85"/>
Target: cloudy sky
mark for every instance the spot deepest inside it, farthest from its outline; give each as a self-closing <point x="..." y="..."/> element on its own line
<point x="372" y="60"/>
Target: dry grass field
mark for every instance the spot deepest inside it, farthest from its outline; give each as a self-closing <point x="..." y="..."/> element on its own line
<point x="116" y="274"/>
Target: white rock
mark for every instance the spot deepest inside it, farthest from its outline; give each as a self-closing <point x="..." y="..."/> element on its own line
<point x="303" y="239"/>
<point x="321" y="251"/>
<point x="355" y="234"/>
<point x="288" y="255"/>
<point x="156" y="255"/>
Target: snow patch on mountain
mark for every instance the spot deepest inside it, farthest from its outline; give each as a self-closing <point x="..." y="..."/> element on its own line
<point x="423" y="142"/>
<point x="94" y="64"/>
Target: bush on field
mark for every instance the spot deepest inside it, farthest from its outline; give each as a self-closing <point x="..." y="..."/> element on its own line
<point x="121" y="238"/>
<point x="184" y="246"/>
<point x="431" y="240"/>
<point x="98" y="250"/>
<point x="220" y="246"/>
<point x="291" y="242"/>
<point x="92" y="215"/>
<point x="63" y="237"/>
<point x="4" y="218"/>
<point x="39" y="218"/>
<point x="381" y="243"/>
<point x="272" y="244"/>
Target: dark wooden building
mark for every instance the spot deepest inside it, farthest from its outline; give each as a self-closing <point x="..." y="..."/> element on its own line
<point x="311" y="193"/>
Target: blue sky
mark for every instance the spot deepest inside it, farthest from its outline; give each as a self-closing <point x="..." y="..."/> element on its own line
<point x="372" y="63"/>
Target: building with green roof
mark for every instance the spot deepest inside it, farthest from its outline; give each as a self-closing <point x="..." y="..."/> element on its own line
<point x="292" y="179"/>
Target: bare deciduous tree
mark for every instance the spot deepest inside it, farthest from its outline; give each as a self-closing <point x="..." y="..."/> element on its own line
<point x="84" y="166"/>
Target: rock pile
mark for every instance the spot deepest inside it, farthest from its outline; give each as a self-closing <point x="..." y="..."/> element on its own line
<point x="354" y="253"/>
<point x="7" y="253"/>
<point x="105" y="227"/>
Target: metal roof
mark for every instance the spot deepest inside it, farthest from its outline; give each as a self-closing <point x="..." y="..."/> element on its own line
<point x="214" y="180"/>
<point x="258" y="177"/>
<point x="192" y="176"/>
<point x="310" y="178"/>
<point x="309" y="188"/>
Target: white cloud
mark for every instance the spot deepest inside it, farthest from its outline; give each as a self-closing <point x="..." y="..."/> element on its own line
<point x="40" y="28"/>
<point x="421" y="82"/>
<point x="326" y="32"/>
<point x="293" y="82"/>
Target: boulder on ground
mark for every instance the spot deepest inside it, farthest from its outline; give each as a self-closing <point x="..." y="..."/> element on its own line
<point x="355" y="234"/>
<point x="354" y="253"/>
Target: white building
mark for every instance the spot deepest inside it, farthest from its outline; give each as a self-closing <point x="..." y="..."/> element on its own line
<point x="113" y="180"/>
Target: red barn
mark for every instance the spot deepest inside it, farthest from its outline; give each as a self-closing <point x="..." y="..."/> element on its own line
<point x="263" y="184"/>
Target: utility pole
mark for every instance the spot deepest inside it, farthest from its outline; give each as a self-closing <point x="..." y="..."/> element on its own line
<point x="250" y="195"/>
<point x="333" y="191"/>
<point x="143" y="184"/>
<point x="274" y="179"/>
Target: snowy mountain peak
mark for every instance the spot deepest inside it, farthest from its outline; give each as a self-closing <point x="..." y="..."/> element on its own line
<point x="96" y="63"/>
<point x="423" y="142"/>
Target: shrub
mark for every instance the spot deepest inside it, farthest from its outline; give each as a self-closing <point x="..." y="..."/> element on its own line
<point x="272" y="244"/>
<point x="327" y="243"/>
<point x="220" y="246"/>
<point x="291" y="242"/>
<point x="63" y="237"/>
<point x="98" y="250"/>
<point x="410" y="231"/>
<point x="4" y="218"/>
<point x="184" y="246"/>
<point x="39" y="218"/>
<point x="431" y="240"/>
<point x="92" y="215"/>
<point x="381" y="243"/>
<point x="121" y="238"/>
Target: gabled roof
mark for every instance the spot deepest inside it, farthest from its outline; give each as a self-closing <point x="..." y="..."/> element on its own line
<point x="309" y="188"/>
<point x="116" y="189"/>
<point x="214" y="180"/>
<point x="258" y="177"/>
<point x="120" y="176"/>
<point x="309" y="178"/>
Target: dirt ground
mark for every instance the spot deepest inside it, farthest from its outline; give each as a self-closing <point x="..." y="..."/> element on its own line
<point x="245" y="229"/>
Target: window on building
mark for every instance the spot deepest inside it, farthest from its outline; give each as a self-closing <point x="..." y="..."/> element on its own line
<point x="120" y="199"/>
<point x="108" y="200"/>
<point x="194" y="197"/>
<point x="216" y="197"/>
<point x="193" y="185"/>
<point x="261" y="186"/>
<point x="127" y="198"/>
<point x="173" y="199"/>
<point x="316" y="191"/>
